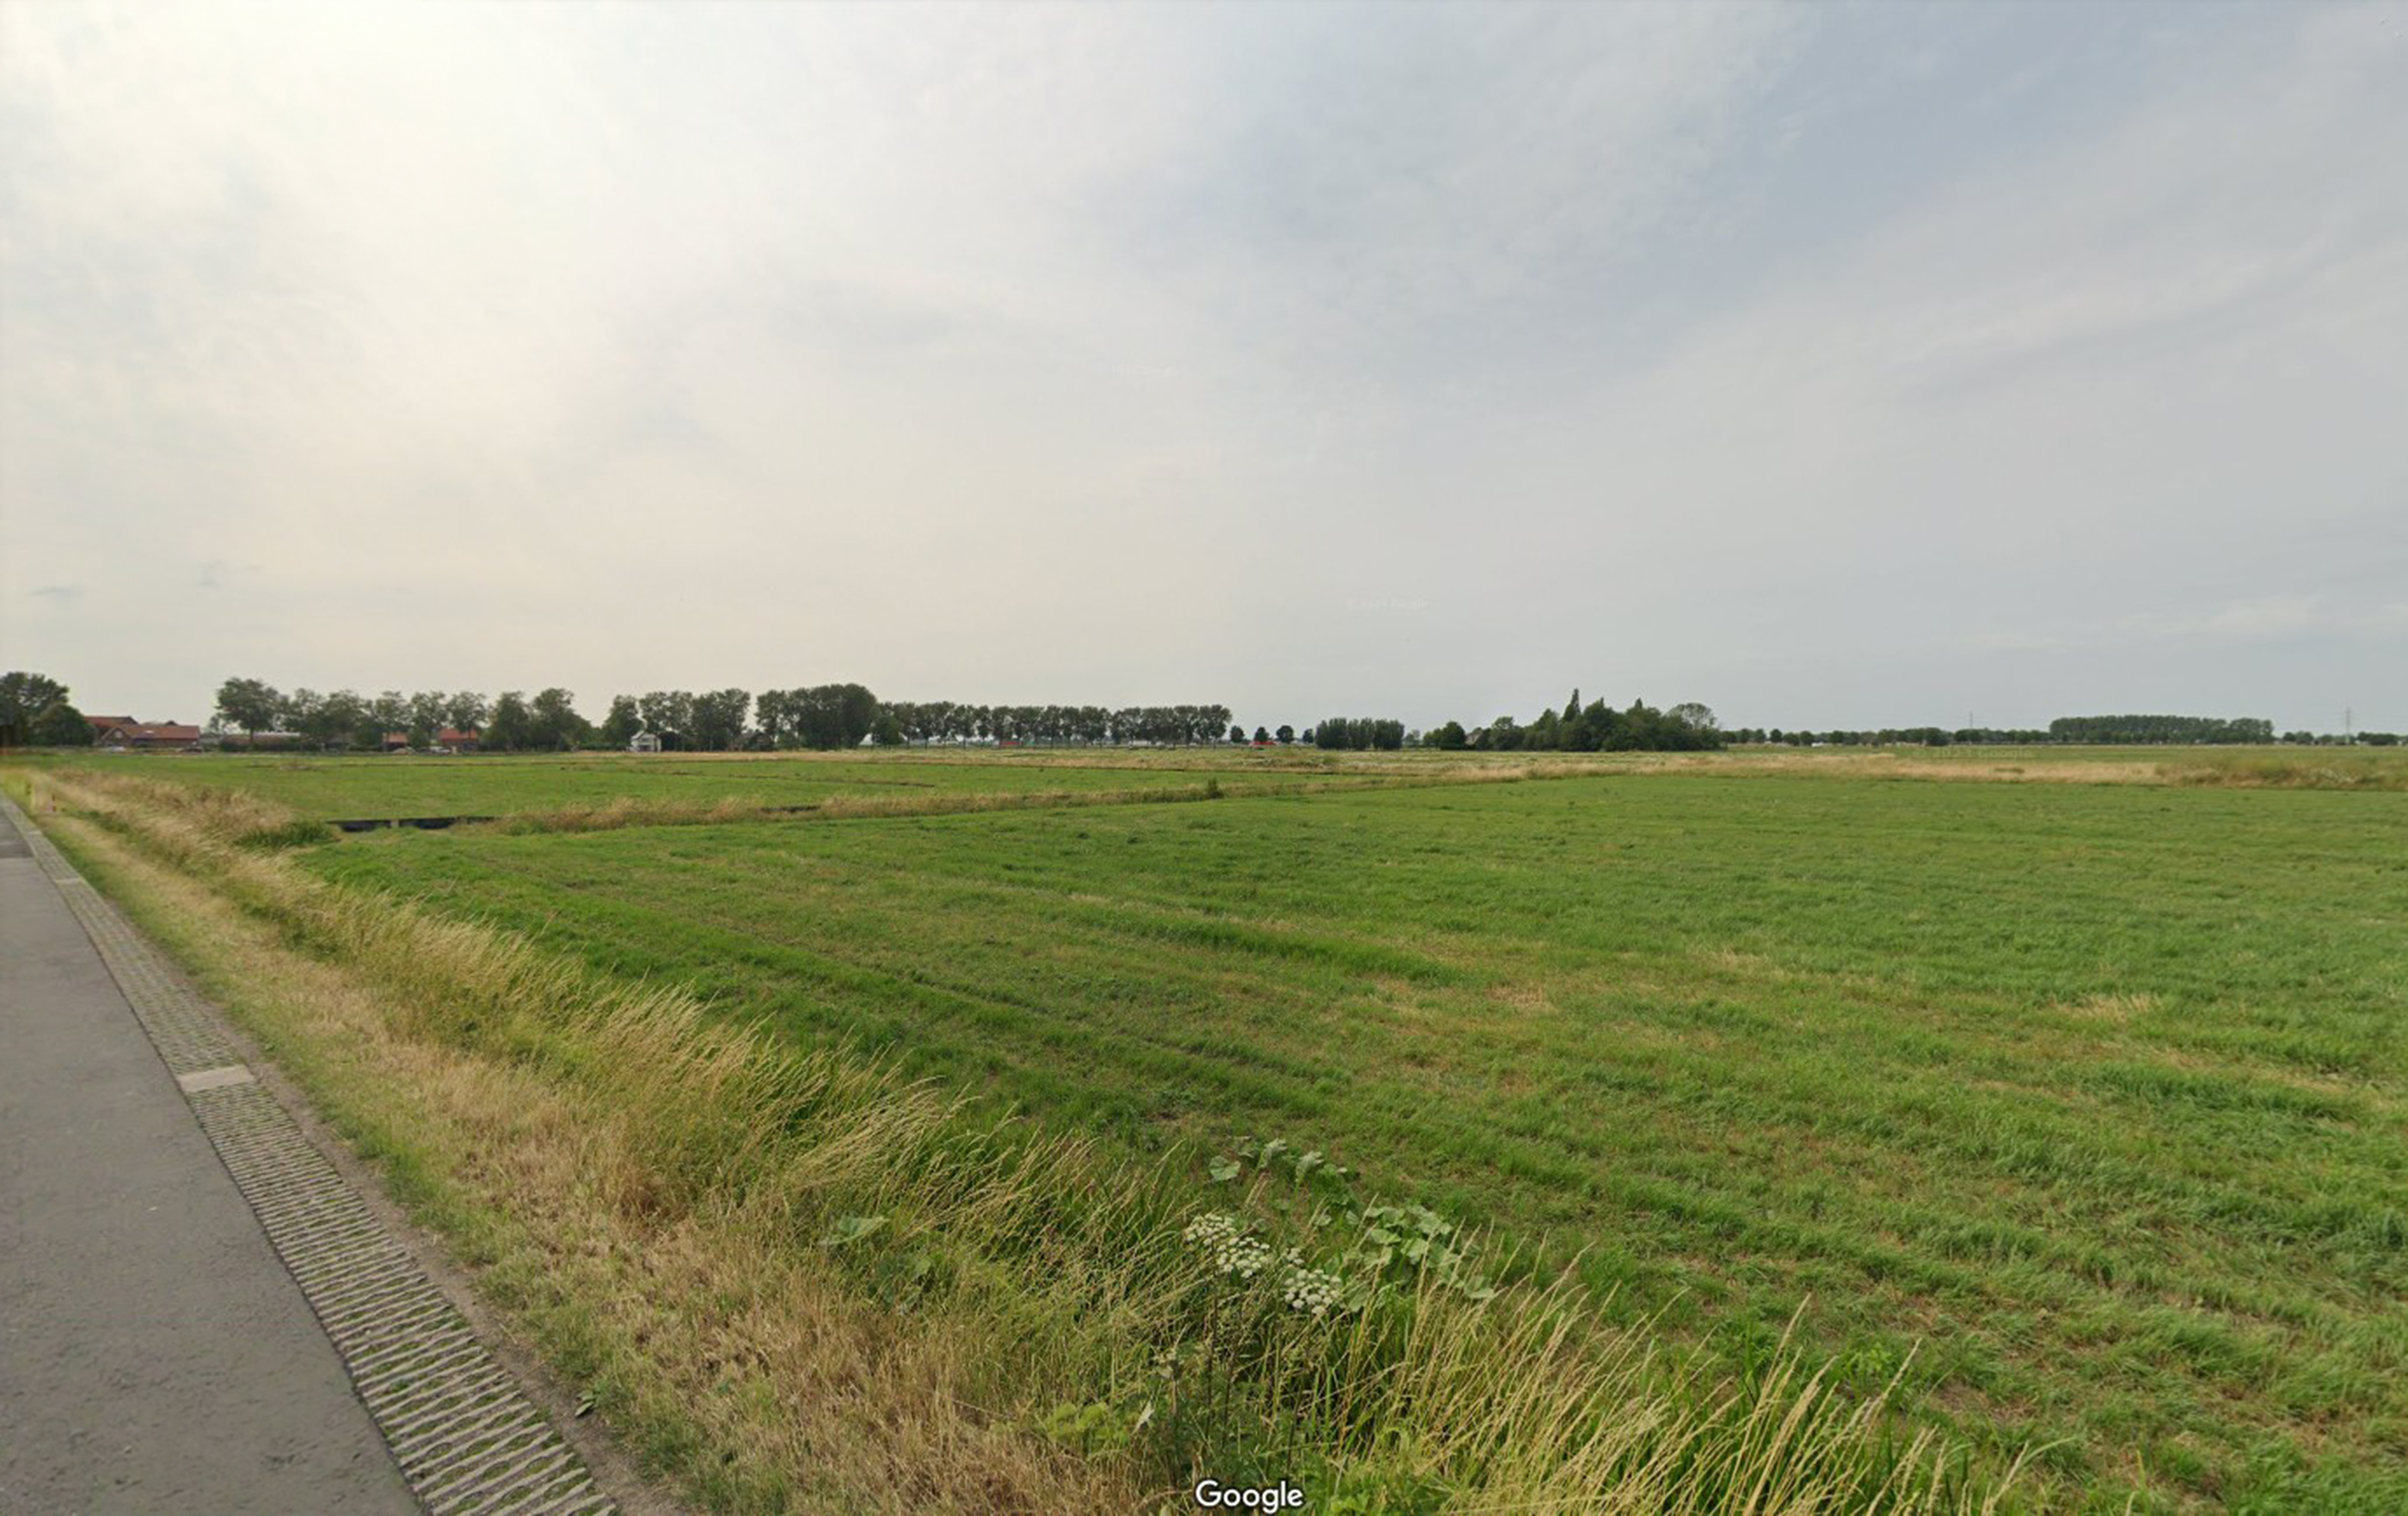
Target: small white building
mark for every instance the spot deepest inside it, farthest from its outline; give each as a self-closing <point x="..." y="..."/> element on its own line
<point x="644" y="742"/>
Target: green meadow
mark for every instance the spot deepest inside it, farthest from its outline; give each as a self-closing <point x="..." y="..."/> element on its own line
<point x="341" y="788"/>
<point x="2084" y="1101"/>
<point x="2070" y="1087"/>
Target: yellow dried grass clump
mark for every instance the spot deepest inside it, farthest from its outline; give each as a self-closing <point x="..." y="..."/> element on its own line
<point x="2310" y="769"/>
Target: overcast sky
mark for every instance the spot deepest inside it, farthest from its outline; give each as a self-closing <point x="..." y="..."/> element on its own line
<point x="1828" y="366"/>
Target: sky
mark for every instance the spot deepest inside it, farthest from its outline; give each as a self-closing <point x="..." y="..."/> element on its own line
<point x="1830" y="365"/>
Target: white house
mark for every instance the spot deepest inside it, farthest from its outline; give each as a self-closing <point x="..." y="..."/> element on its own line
<point x="643" y="742"/>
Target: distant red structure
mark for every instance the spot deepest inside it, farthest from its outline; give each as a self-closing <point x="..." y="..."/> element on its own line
<point x="144" y="737"/>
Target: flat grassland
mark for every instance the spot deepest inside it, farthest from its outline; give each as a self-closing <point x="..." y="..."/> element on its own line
<point x="2082" y="1094"/>
<point x="384" y="789"/>
<point x="345" y="788"/>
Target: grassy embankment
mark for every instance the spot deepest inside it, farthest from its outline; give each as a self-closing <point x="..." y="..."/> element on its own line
<point x="796" y="1280"/>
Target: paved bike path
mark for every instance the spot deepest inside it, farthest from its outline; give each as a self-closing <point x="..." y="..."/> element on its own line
<point x="155" y="1355"/>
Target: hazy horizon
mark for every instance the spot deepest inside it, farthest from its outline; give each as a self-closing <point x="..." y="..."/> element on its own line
<point x="1831" y="366"/>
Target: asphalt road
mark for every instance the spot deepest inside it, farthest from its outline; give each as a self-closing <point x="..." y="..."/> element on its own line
<point x="155" y="1356"/>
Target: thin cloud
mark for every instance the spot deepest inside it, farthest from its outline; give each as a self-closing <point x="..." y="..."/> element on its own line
<point x="1829" y="366"/>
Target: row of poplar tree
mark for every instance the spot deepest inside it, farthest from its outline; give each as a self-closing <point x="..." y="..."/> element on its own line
<point x="709" y="720"/>
<point x="812" y="716"/>
<point x="947" y="721"/>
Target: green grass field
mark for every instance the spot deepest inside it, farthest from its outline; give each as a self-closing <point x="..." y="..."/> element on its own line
<point x="2096" y="1091"/>
<point x="384" y="788"/>
<point x="333" y="788"/>
<point x="2092" y="1096"/>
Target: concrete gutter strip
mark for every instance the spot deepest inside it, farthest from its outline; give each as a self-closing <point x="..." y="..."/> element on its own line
<point x="153" y="1356"/>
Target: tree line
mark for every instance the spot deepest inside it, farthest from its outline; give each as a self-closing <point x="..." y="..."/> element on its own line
<point x="1594" y="727"/>
<point x="346" y="718"/>
<point x="2103" y="731"/>
<point x="713" y="721"/>
<point x="827" y="716"/>
<point x="946" y="720"/>
<point x="35" y="710"/>
<point x="717" y="721"/>
<point x="1889" y="736"/>
<point x="1357" y="733"/>
<point x="2208" y="730"/>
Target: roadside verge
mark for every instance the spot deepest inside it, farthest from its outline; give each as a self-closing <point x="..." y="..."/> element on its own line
<point x="466" y="1436"/>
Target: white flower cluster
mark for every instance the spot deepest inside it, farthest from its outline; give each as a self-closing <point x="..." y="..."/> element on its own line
<point x="1213" y="1228"/>
<point x="1313" y="1291"/>
<point x="1233" y="1251"/>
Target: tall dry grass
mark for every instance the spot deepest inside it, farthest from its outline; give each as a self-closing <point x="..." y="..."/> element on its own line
<point x="805" y="1283"/>
<point x="2310" y="768"/>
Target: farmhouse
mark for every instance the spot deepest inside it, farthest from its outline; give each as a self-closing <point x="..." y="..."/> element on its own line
<point x="145" y="736"/>
<point x="644" y="742"/>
